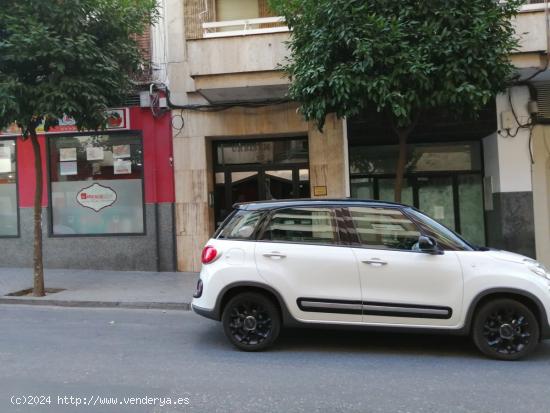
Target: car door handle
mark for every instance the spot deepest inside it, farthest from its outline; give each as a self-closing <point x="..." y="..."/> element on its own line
<point x="274" y="254"/>
<point x="376" y="262"/>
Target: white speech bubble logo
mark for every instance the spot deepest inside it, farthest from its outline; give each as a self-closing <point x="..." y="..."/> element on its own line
<point x="96" y="197"/>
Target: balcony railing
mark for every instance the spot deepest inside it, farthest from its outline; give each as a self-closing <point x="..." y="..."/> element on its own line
<point x="244" y="27"/>
<point x="533" y="5"/>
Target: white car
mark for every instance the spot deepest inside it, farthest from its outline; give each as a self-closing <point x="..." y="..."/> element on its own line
<point x="366" y="263"/>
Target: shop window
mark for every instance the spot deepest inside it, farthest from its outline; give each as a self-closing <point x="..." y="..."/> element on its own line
<point x="9" y="225"/>
<point x="96" y="185"/>
<point x="380" y="160"/>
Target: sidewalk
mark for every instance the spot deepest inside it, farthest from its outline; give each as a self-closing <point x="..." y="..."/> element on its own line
<point x="90" y="288"/>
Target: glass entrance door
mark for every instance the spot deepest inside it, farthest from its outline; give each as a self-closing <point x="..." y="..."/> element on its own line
<point x="258" y="184"/>
<point x="248" y="171"/>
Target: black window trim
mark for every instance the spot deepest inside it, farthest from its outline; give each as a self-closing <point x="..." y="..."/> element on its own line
<point x="346" y="231"/>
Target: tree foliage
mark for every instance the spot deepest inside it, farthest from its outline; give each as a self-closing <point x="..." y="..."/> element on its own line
<point x="398" y="58"/>
<point x="72" y="57"/>
<point x="65" y="57"/>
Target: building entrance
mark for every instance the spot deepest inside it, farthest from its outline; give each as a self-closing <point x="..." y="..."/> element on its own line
<point x="247" y="171"/>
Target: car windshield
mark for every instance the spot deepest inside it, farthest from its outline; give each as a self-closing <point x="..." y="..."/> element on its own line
<point x="446" y="238"/>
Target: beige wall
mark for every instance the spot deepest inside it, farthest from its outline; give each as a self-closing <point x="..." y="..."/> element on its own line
<point x="193" y="163"/>
<point x="541" y="191"/>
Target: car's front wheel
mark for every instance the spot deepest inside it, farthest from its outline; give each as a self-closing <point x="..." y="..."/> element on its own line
<point x="251" y="321"/>
<point x="505" y="329"/>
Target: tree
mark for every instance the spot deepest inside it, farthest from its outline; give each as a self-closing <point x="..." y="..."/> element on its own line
<point x="398" y="58"/>
<point x="65" y="57"/>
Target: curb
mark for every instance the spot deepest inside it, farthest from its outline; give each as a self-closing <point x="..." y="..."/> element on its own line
<point x="98" y="304"/>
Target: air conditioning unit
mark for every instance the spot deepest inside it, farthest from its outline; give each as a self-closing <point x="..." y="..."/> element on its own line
<point x="146" y="100"/>
<point x="542" y="103"/>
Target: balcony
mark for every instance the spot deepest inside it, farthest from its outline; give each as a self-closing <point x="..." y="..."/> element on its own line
<point x="244" y="27"/>
<point x="238" y="60"/>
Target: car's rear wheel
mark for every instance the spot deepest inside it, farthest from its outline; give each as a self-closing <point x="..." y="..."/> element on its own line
<point x="505" y="329"/>
<point x="251" y="321"/>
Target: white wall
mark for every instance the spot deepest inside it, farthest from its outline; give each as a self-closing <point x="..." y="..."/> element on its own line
<point x="507" y="158"/>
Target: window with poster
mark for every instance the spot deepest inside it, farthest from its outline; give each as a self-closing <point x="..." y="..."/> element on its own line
<point x="96" y="185"/>
<point x="9" y="211"/>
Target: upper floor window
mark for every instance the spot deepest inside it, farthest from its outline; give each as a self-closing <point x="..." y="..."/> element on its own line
<point x="9" y="226"/>
<point x="237" y="17"/>
<point x="237" y="9"/>
<point x="302" y="225"/>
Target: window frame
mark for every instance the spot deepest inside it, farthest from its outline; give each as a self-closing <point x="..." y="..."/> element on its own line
<point x="49" y="140"/>
<point x="338" y="241"/>
<point x="15" y="139"/>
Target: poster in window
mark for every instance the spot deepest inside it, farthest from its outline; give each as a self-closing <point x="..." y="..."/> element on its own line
<point x="5" y="152"/>
<point x="121" y="151"/>
<point x="67" y="154"/>
<point x="68" y="168"/>
<point x="5" y="159"/>
<point x="439" y="212"/>
<point x="94" y="153"/>
<point x="122" y="167"/>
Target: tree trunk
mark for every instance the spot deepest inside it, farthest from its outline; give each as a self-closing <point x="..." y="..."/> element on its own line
<point x="38" y="266"/>
<point x="402" y="134"/>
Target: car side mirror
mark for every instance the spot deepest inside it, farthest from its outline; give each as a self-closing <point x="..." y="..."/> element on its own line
<point x="429" y="245"/>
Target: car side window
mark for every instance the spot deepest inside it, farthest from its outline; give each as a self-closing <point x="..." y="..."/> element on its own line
<point x="384" y="228"/>
<point x="303" y="225"/>
<point x="241" y="225"/>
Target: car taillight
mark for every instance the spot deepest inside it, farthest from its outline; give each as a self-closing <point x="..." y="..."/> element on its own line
<point x="209" y="254"/>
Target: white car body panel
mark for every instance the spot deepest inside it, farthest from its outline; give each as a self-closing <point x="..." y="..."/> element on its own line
<point x="411" y="278"/>
<point x="311" y="271"/>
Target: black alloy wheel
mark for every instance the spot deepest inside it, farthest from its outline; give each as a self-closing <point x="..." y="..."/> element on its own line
<point x="505" y="329"/>
<point x="251" y="321"/>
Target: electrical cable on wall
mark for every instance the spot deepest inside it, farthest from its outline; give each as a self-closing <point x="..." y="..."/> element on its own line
<point x="178" y="122"/>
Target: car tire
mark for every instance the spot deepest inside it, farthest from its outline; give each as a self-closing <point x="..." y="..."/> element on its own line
<point x="251" y="321"/>
<point x="505" y="329"/>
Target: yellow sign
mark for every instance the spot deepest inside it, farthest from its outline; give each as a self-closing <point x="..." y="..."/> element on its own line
<point x="320" y="191"/>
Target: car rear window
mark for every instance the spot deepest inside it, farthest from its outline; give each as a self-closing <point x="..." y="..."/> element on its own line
<point x="241" y="225"/>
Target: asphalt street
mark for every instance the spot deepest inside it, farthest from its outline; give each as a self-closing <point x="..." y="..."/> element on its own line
<point x="102" y="354"/>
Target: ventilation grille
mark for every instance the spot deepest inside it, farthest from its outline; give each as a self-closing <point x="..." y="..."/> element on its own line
<point x="132" y="100"/>
<point x="543" y="101"/>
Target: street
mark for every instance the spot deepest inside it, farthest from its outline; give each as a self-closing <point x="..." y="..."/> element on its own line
<point x="107" y="353"/>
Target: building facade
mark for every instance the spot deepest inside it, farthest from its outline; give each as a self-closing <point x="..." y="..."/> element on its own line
<point x="485" y="179"/>
<point x="107" y="196"/>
